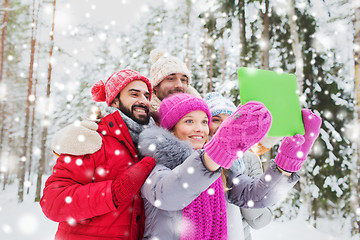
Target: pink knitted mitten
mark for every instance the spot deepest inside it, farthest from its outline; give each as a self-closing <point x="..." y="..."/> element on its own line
<point x="247" y="126"/>
<point x="294" y="150"/>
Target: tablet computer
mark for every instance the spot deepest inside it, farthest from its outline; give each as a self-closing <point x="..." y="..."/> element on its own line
<point x="279" y="93"/>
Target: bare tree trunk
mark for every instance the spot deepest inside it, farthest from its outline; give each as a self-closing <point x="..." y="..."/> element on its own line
<point x="41" y="166"/>
<point x="354" y="176"/>
<point x="211" y="68"/>
<point x="3" y="35"/>
<point x="242" y="25"/>
<point x="32" y="125"/>
<point x="188" y="14"/>
<point x="9" y="153"/>
<point x="223" y="62"/>
<point x="265" y="49"/>
<point x="34" y="25"/>
<point x="2" y="53"/>
<point x="296" y="46"/>
<point x="204" y="80"/>
<point x="265" y="38"/>
<point x="24" y="158"/>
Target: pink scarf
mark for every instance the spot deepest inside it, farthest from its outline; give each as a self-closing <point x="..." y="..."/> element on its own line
<point x="205" y="217"/>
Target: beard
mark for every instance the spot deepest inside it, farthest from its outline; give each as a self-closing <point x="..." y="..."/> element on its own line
<point x="143" y="120"/>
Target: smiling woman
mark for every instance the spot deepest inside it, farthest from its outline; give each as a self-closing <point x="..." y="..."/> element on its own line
<point x="188" y="188"/>
<point x="193" y="127"/>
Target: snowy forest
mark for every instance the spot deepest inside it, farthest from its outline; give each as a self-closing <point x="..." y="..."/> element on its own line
<point x="52" y="52"/>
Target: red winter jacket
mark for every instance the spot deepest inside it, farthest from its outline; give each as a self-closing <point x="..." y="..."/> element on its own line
<point x="78" y="193"/>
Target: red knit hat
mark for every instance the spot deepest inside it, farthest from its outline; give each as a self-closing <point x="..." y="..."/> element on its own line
<point x="106" y="92"/>
<point x="176" y="106"/>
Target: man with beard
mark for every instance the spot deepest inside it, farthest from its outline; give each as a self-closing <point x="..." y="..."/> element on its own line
<point x="168" y="76"/>
<point x="94" y="190"/>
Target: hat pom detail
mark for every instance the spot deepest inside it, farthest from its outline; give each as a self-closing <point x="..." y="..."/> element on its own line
<point x="98" y="91"/>
<point x="156" y="54"/>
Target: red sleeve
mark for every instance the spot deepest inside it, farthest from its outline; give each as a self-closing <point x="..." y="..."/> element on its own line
<point x="127" y="184"/>
<point x="70" y="194"/>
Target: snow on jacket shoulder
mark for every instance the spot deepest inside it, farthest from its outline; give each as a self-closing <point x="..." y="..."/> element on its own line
<point x="78" y="193"/>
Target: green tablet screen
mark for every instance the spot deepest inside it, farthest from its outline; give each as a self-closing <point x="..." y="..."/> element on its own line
<point x="278" y="92"/>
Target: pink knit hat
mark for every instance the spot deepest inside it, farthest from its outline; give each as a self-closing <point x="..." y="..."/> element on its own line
<point x="106" y="92"/>
<point x="173" y="108"/>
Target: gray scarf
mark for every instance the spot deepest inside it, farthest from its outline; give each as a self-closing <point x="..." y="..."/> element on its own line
<point x="134" y="128"/>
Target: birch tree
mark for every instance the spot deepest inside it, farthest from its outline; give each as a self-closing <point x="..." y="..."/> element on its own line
<point x="2" y="53"/>
<point x="188" y="13"/>
<point x="29" y="102"/>
<point x="265" y="44"/>
<point x="41" y="166"/>
<point x="355" y="178"/>
<point x="296" y="46"/>
<point x="33" y="110"/>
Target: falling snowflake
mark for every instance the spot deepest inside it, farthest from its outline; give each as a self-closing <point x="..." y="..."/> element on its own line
<point x="268" y="177"/>
<point x="152" y="147"/>
<point x="240" y="154"/>
<point x="27" y="184"/>
<point x="300" y="154"/>
<point x="6" y="228"/>
<point x="148" y="181"/>
<point x="81" y="138"/>
<point x="100" y="171"/>
<point x="117" y="152"/>
<point x="32" y="98"/>
<point x="67" y="159"/>
<point x="28" y="224"/>
<point x="157" y="203"/>
<point x="79" y="162"/>
<point x="236" y="181"/>
<point x="190" y="170"/>
<point x="185" y="185"/>
<point x="358" y="211"/>
<point x="250" y="203"/>
<point x="211" y="191"/>
<point x="71" y="221"/>
<point x="68" y="199"/>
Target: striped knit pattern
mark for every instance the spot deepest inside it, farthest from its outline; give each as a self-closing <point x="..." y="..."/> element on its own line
<point x="205" y="217"/>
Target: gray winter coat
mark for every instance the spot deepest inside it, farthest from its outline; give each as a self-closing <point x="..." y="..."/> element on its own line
<point x="247" y="217"/>
<point x="180" y="176"/>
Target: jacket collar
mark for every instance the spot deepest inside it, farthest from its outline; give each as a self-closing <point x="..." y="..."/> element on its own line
<point x="113" y="125"/>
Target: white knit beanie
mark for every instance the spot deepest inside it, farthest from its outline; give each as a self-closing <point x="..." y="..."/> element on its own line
<point x="163" y="65"/>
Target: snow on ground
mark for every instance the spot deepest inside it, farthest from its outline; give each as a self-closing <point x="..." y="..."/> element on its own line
<point x="27" y="222"/>
<point x="23" y="221"/>
<point x="297" y="229"/>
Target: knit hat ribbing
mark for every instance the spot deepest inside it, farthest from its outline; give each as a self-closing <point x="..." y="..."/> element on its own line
<point x="219" y="104"/>
<point x="163" y="65"/>
<point x="176" y="106"/>
<point x="106" y="92"/>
